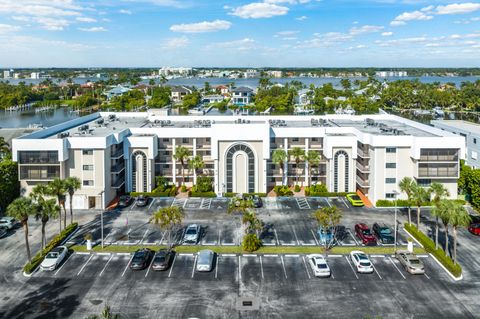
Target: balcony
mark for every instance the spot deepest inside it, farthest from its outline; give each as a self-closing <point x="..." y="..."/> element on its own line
<point x="363" y="153"/>
<point x="116" y="154"/>
<point x="363" y="183"/>
<point x="118" y="183"/>
<point x="363" y="168"/>
<point x="118" y="168"/>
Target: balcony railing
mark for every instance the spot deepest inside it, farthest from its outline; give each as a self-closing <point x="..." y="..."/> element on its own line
<point x="363" y="168"/>
<point x="117" y="168"/>
<point x="363" y="153"/>
<point x="118" y="183"/>
<point x="363" y="183"/>
<point x="117" y="154"/>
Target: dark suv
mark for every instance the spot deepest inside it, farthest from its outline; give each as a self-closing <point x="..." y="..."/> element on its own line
<point x="383" y="233"/>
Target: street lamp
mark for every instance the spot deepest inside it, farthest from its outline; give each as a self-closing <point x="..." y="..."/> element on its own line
<point x="395" y="193"/>
<point x="101" y="215"/>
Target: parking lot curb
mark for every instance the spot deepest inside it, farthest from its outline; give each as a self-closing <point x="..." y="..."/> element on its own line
<point x="29" y="275"/>
<point x="411" y="236"/>
<point x="446" y="270"/>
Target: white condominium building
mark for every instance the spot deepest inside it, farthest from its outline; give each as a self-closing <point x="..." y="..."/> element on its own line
<point x="114" y="153"/>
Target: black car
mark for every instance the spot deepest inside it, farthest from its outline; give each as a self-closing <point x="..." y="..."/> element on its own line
<point x="124" y="201"/>
<point x="257" y="201"/>
<point x="142" y="201"/>
<point x="383" y="233"/>
<point x="3" y="232"/>
<point x="141" y="259"/>
<point x="162" y="260"/>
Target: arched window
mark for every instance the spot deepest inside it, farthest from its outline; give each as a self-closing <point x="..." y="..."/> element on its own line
<point x="139" y="172"/>
<point x="250" y="166"/>
<point x="336" y="176"/>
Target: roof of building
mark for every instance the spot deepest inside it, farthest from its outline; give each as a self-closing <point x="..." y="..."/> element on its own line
<point x="181" y="89"/>
<point x="242" y="89"/>
<point x="466" y="126"/>
<point x="119" y="89"/>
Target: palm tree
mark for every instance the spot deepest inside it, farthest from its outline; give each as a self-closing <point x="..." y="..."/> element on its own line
<point x="279" y="156"/>
<point x="419" y="196"/>
<point x="72" y="184"/>
<point x="406" y="186"/>
<point x="20" y="209"/>
<point x="459" y="217"/>
<point x="298" y="155"/>
<point x="57" y="188"/>
<point x="196" y="163"/>
<point x="312" y="158"/>
<point x="169" y="219"/>
<point x="182" y="154"/>
<point x="46" y="210"/>
<point x="439" y="192"/>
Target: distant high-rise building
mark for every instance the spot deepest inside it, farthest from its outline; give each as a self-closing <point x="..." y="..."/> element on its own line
<point x="35" y="75"/>
<point x="6" y="74"/>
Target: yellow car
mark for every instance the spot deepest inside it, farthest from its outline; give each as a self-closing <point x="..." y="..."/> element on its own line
<point x="355" y="200"/>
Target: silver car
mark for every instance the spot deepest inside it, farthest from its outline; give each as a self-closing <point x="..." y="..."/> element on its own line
<point x="191" y="235"/>
<point x="410" y="262"/>
<point x="8" y="222"/>
<point x="205" y="260"/>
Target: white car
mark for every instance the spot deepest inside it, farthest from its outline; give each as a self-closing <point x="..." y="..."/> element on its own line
<point x="191" y="234"/>
<point x="8" y="222"/>
<point x="205" y="260"/>
<point x="54" y="258"/>
<point x="319" y="265"/>
<point x="361" y="262"/>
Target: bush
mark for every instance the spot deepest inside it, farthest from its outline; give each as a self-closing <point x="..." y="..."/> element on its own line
<point x="204" y="184"/>
<point x="404" y="203"/>
<point x="315" y="189"/>
<point x="38" y="258"/>
<point x="202" y="194"/>
<point x="297" y="188"/>
<point x="282" y="190"/>
<point x="183" y="189"/>
<point x="157" y="192"/>
<point x="230" y="194"/>
<point x="251" y="242"/>
<point x="161" y="182"/>
<point x="429" y="246"/>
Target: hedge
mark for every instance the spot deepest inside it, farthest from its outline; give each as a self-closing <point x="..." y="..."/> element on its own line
<point x="230" y="194"/>
<point x="328" y="194"/>
<point x="429" y="246"/>
<point x="172" y="191"/>
<point x="405" y="203"/>
<point x="282" y="190"/>
<point x="38" y="258"/>
<point x="202" y="194"/>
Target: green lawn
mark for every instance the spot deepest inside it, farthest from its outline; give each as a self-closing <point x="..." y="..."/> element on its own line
<point x="263" y="250"/>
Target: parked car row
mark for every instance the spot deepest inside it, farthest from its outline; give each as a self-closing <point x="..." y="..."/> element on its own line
<point x="6" y="225"/>
<point x="162" y="260"/>
<point x="127" y="200"/>
<point x="381" y="232"/>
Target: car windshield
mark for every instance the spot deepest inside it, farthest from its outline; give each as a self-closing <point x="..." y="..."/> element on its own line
<point x="366" y="232"/>
<point x="160" y="259"/>
<point x="52" y="255"/>
<point x="362" y="257"/>
<point x="355" y="197"/>
<point x="365" y="263"/>
<point x="191" y="231"/>
<point x="204" y="258"/>
<point x="415" y="261"/>
<point x="385" y="231"/>
<point x="322" y="266"/>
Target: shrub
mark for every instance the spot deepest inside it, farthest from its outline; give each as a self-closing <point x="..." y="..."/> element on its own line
<point x="315" y="189"/>
<point x="297" y="188"/>
<point x="229" y="194"/>
<point x="38" y="258"/>
<point x="183" y="189"/>
<point x="282" y="190"/>
<point x="202" y="194"/>
<point x="251" y="242"/>
<point x="161" y="182"/>
<point x="204" y="184"/>
<point x="429" y="246"/>
<point x="158" y="192"/>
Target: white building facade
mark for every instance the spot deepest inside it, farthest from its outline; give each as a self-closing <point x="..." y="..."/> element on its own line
<point x="114" y="153"/>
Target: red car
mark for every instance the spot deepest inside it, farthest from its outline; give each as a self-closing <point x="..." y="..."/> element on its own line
<point x="363" y="232"/>
<point x="474" y="229"/>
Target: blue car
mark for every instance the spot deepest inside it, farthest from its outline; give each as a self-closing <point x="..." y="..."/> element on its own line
<point x="325" y="235"/>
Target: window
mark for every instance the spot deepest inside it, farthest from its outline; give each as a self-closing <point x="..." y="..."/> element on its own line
<point x="88" y="183"/>
<point x="166" y="140"/>
<point x="184" y="140"/>
<point x="424" y="182"/>
<point x="390" y="195"/>
<point x="474" y="141"/>
<point x="390" y="180"/>
<point x="314" y="139"/>
<point x="87" y="152"/>
<point x="39" y="172"/>
<point x="391" y="150"/>
<point x="208" y="153"/>
<point x="88" y="167"/>
<point x="295" y="139"/>
<point x="38" y="157"/>
<point x="474" y="155"/>
<point x="390" y="165"/>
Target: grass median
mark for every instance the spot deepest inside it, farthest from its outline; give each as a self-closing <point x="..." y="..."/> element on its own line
<point x="341" y="250"/>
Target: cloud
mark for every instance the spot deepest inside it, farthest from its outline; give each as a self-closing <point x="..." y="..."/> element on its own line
<point x="123" y="11"/>
<point x="86" y="19"/>
<point x="365" y="29"/>
<point x="164" y="3"/>
<point x="411" y="16"/>
<point x="458" y="8"/>
<point x="7" y="28"/>
<point x="93" y="29"/>
<point x="302" y="18"/>
<point x="387" y="34"/>
<point x="257" y="10"/>
<point x="287" y="1"/>
<point x="175" y="43"/>
<point x="202" y="27"/>
<point x="285" y="33"/>
<point x="245" y="44"/>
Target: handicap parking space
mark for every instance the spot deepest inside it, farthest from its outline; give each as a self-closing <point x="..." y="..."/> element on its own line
<point x="160" y="202"/>
<point x="318" y="202"/>
<point x="287" y="203"/>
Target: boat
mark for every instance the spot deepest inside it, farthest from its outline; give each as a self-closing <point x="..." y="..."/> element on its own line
<point x="197" y="111"/>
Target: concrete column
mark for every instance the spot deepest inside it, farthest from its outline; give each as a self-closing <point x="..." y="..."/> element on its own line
<point x="216" y="181"/>
<point x="174" y="163"/>
<point x="194" y="154"/>
<point x="285" y="165"/>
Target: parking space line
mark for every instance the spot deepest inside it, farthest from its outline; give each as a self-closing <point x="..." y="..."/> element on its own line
<point x="261" y="266"/>
<point x="328" y="201"/>
<point x="216" y="266"/>
<point x="391" y="260"/>
<point x="295" y="234"/>
<point x="351" y="234"/>
<point x="149" y="266"/>
<point x="219" y="239"/>
<point x="228" y="255"/>
<point x="126" y="267"/>
<point x="85" y="264"/>
<point x="239" y="267"/>
<point x="354" y="272"/>
<point x="63" y="265"/>
<point x="185" y="203"/>
<point x="306" y="268"/>
<point x="105" y="267"/>
<point x="276" y="236"/>
<point x="426" y="275"/>
<point x="171" y="267"/>
<point x="316" y="241"/>
<point x="163" y="236"/>
<point x="153" y="201"/>
<point x="194" y="264"/>
<point x="375" y="268"/>
<point x="133" y="205"/>
<point x="292" y="256"/>
<point x="270" y="255"/>
<point x="144" y="235"/>
<point x="283" y="265"/>
<point x="343" y="201"/>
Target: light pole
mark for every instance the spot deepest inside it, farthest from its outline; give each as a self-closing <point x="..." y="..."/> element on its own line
<point x="101" y="215"/>
<point x="395" y="230"/>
